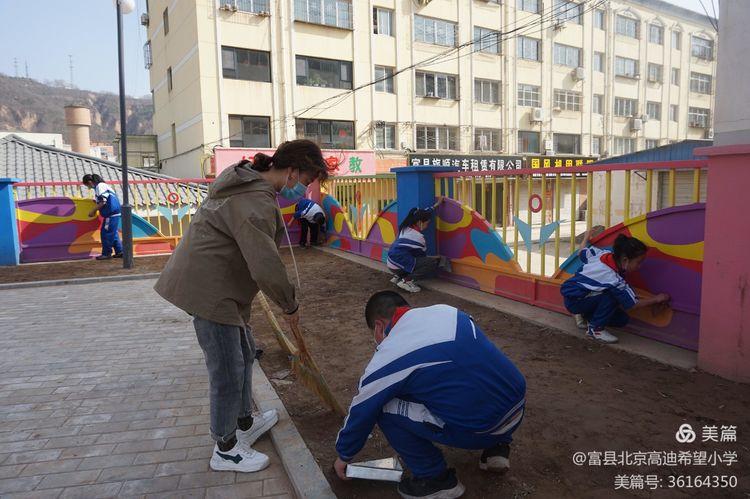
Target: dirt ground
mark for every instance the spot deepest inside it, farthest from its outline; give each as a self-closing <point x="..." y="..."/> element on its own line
<point x="80" y="268"/>
<point x="582" y="397"/>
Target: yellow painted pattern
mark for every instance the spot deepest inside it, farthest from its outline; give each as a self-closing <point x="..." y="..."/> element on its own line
<point x="386" y="230"/>
<point x="465" y="221"/>
<point x="81" y="214"/>
<point x="693" y="251"/>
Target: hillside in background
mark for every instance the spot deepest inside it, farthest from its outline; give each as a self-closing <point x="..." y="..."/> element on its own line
<point x="31" y="106"/>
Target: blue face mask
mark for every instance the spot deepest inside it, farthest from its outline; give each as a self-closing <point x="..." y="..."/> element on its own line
<point x="295" y="192"/>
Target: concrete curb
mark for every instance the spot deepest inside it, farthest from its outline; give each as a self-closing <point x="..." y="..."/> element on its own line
<point x="629" y="342"/>
<point x="80" y="280"/>
<point x="304" y="473"/>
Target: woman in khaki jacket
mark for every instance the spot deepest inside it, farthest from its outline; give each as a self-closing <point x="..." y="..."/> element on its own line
<point x="229" y="253"/>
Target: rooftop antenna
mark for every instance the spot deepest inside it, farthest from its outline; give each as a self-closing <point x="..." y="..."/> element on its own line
<point x="15" y="66"/>
<point x="26" y="63"/>
<point x="70" y="60"/>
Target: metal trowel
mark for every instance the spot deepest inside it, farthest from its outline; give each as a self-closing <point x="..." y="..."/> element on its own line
<point x="387" y="470"/>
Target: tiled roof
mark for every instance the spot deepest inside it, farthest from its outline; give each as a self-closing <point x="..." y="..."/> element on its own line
<point x="32" y="162"/>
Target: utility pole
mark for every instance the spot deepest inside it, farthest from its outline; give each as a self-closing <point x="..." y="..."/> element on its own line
<point x="70" y="60"/>
<point x="15" y="65"/>
<point x="26" y="63"/>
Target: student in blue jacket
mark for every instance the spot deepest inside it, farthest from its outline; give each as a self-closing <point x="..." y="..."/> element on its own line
<point x="108" y="206"/>
<point x="434" y="378"/>
<point x="310" y="216"/>
<point x="407" y="256"/>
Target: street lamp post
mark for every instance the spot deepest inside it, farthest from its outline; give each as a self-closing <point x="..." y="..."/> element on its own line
<point x="124" y="7"/>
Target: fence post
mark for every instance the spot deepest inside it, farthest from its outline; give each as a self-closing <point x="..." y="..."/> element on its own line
<point x="415" y="187"/>
<point x="10" y="249"/>
<point x="724" y="341"/>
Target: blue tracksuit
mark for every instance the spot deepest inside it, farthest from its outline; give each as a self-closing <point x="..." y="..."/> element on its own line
<point x="598" y="291"/>
<point x="110" y="212"/>
<point x="308" y="210"/>
<point x="435" y="378"/>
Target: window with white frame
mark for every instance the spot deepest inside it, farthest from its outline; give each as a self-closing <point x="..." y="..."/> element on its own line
<point x="626" y="107"/>
<point x="437" y="85"/>
<point x="652" y="143"/>
<point x="699" y="117"/>
<point x="700" y="83"/>
<point x="528" y="48"/>
<point x="486" y="40"/>
<point x="382" y="21"/>
<point x="528" y="141"/>
<point x="599" y="61"/>
<point x="597" y="104"/>
<point x="567" y="100"/>
<point x="487" y="139"/>
<point x="328" y="134"/>
<point x="528" y="95"/>
<point x="600" y="19"/>
<point x="337" y="13"/>
<point x="624" y="145"/>
<point x="567" y="55"/>
<point x="565" y="11"/>
<point x="596" y="146"/>
<point x="437" y="137"/>
<point x="656" y="34"/>
<point x="385" y="136"/>
<point x="327" y="73"/>
<point x="567" y="143"/>
<point x="245" y="64"/>
<point x="249" y="131"/>
<point x="254" y="6"/>
<point x="653" y="110"/>
<point x="384" y="79"/>
<point x="674" y="112"/>
<point x="486" y="91"/>
<point x="626" y="25"/>
<point x="435" y="31"/>
<point x="655" y="72"/>
<point x="702" y="48"/>
<point x="676" y="40"/>
<point x="675" y="76"/>
<point x="626" y="67"/>
<point x="528" y="5"/>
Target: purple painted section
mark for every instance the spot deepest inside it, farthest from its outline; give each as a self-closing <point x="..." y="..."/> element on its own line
<point x="460" y="280"/>
<point x="59" y="207"/>
<point x="453" y="246"/>
<point x="682" y="284"/>
<point x="683" y="330"/>
<point x="451" y="212"/>
<point x="680" y="225"/>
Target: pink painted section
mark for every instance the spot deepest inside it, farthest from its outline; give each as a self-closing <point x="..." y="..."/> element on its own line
<point x="346" y="162"/>
<point x="724" y="346"/>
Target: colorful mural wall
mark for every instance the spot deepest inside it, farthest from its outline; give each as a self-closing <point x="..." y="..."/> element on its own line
<point x="59" y="228"/>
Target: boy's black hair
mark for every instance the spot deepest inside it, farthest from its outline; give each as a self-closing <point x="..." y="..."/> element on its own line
<point x="382" y="305"/>
<point x="629" y="247"/>
<point x="92" y="177"/>
<point x="415" y="215"/>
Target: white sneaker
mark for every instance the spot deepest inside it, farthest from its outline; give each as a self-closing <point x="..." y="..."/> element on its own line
<point x="581" y="322"/>
<point x="602" y="335"/>
<point x="262" y="422"/>
<point x="238" y="458"/>
<point x="408" y="286"/>
<point x="395" y="279"/>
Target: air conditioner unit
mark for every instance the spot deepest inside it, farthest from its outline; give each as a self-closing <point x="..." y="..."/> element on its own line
<point x="644" y="118"/>
<point x="557" y="109"/>
<point x="636" y="124"/>
<point x="579" y="74"/>
<point x="228" y="6"/>
<point x="653" y="79"/>
<point x="558" y="25"/>
<point x="379" y="124"/>
<point x="537" y="114"/>
<point x="637" y="76"/>
<point x="144" y="19"/>
<point x="430" y="95"/>
<point x="264" y="13"/>
<point x="710" y="133"/>
<point x="549" y="146"/>
<point x="696" y="124"/>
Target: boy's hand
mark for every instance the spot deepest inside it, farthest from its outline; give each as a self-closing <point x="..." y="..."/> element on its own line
<point x="340" y="467"/>
<point x="92" y="213"/>
<point x="662" y="298"/>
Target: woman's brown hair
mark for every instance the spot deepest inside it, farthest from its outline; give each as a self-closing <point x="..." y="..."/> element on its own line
<point x="301" y="153"/>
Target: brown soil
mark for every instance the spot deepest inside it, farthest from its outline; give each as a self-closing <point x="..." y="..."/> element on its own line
<point x="581" y="396"/>
<point x="80" y="268"/>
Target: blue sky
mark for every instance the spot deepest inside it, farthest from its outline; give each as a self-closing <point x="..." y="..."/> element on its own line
<point x="44" y="32"/>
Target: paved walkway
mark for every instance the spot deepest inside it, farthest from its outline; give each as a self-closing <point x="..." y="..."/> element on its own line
<point x="103" y="393"/>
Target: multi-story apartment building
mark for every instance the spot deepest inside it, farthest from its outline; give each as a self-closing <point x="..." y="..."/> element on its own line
<point x="511" y="77"/>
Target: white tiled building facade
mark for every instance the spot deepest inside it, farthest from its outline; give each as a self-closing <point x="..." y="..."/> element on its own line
<point x="585" y="78"/>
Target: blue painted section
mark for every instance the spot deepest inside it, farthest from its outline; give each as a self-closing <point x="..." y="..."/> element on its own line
<point x="671" y="152"/>
<point x="142" y="228"/>
<point x="415" y="187"/>
<point x="10" y="247"/>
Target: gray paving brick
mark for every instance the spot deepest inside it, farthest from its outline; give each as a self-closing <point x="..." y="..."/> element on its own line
<point x="35" y="494"/>
<point x="179" y="494"/>
<point x="149" y="485"/>
<point x="274" y="486"/>
<point x="91" y="418"/>
<point x="236" y="491"/>
<point x="49" y="467"/>
<point x="195" y="441"/>
<point x="162" y="456"/>
<point x="101" y="462"/>
<point x="207" y="479"/>
<point x="183" y="467"/>
<point x="178" y="411"/>
<point x="140" y="446"/>
<point x="55" y="432"/>
<point x="11" y="471"/>
<point x="87" y="451"/>
<point x="32" y="457"/>
<point x="200" y="452"/>
<point x="122" y="473"/>
<point x="100" y="491"/>
<point x="152" y="423"/>
<point x="74" y="441"/>
<point x="19" y="484"/>
<point x="69" y="479"/>
<point x="28" y="445"/>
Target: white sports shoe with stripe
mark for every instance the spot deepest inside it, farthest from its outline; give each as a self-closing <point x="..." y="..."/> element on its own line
<point x="262" y="422"/>
<point x="581" y="322"/>
<point x="602" y="335"/>
<point x="409" y="286"/>
<point x="238" y="458"/>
